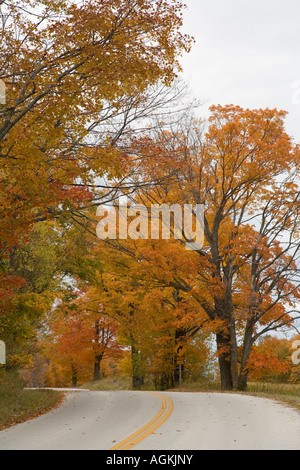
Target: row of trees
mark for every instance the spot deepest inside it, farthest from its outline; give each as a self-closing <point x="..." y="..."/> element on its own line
<point x="92" y="113"/>
<point x="119" y="320"/>
<point x="77" y="76"/>
<point x="243" y="282"/>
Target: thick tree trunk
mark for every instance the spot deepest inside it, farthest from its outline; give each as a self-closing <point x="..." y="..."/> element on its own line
<point x="224" y="356"/>
<point x="226" y="342"/>
<point x="242" y="383"/>
<point x="247" y="346"/>
<point x="226" y="338"/>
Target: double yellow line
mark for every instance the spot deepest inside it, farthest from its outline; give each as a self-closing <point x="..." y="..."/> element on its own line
<point x="150" y="427"/>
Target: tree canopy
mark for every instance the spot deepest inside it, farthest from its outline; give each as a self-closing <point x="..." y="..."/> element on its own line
<point x="92" y="113"/>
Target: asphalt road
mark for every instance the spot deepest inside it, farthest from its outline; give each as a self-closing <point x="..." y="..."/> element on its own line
<point x="159" y="421"/>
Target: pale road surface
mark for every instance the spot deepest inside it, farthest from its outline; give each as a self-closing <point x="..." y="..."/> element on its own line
<point x="170" y="421"/>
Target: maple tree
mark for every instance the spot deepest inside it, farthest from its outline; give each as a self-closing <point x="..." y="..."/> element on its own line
<point x="244" y="170"/>
<point x="80" y="340"/>
<point x="270" y="358"/>
<point x="177" y="322"/>
<point x="119" y="296"/>
<point x="241" y="284"/>
<point x="76" y="76"/>
<point x="69" y="69"/>
<point x="152" y="317"/>
<point x="149" y="317"/>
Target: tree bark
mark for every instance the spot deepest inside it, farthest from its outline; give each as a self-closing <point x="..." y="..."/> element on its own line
<point x="137" y="376"/>
<point x="97" y="364"/>
<point x="233" y="354"/>
<point x="226" y="340"/>
<point x="74" y="376"/>
<point x="224" y="357"/>
<point x="247" y="345"/>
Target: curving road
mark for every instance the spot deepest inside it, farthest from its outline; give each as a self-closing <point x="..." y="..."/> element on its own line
<point x="122" y="420"/>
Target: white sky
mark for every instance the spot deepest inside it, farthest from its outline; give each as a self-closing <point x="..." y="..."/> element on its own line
<point x="246" y="53"/>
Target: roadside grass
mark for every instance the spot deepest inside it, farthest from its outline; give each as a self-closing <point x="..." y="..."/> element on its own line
<point x="284" y="393"/>
<point x="202" y="386"/>
<point x="18" y="405"/>
<point x="109" y="383"/>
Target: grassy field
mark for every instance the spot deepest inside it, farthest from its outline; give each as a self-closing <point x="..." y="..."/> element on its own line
<point x="17" y="404"/>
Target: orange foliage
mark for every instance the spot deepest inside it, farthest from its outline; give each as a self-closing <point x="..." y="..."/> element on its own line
<point x="269" y="359"/>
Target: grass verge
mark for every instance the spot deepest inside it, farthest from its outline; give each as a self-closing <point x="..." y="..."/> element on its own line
<point x="18" y="405"/>
<point x="109" y="383"/>
<point x="284" y="393"/>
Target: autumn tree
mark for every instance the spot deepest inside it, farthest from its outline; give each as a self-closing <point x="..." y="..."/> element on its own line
<point x="31" y="274"/>
<point x="121" y="296"/>
<point x="153" y="317"/>
<point x="243" y="169"/>
<point x="69" y="69"/>
<point x="105" y="342"/>
<point x="177" y="321"/>
<point x="80" y="339"/>
<point x="76" y="76"/>
<point x="270" y="360"/>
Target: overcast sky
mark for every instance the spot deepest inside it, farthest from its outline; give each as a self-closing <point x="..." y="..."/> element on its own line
<point x="247" y="53"/>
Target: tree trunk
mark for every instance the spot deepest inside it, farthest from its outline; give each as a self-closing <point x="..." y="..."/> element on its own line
<point x="97" y="368"/>
<point x="247" y="346"/>
<point x="74" y="376"/>
<point x="137" y="382"/>
<point x="233" y="354"/>
<point x="242" y="383"/>
<point x="137" y="376"/>
<point x="226" y="343"/>
<point x="226" y="338"/>
<point x="178" y="374"/>
<point x="163" y="381"/>
<point x="224" y="355"/>
<point x="180" y="336"/>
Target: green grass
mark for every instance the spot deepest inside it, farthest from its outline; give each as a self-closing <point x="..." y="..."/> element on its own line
<point x="18" y="405"/>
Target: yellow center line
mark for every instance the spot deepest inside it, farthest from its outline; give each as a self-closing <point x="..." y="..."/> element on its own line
<point x="150" y="427"/>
